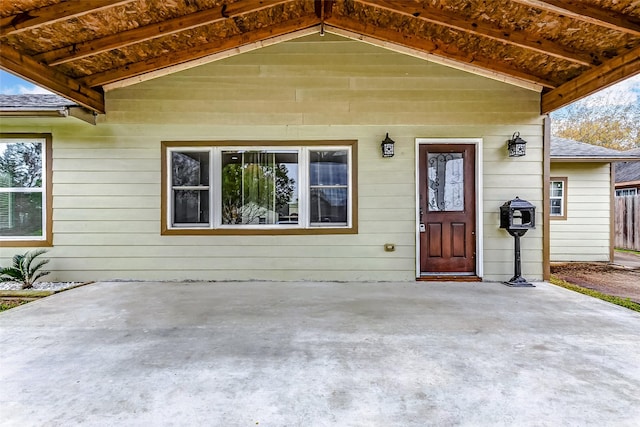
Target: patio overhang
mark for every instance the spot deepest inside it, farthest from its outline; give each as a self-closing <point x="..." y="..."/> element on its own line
<point x="80" y="48"/>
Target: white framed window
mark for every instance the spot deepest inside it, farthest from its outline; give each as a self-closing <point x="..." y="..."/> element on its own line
<point x="622" y="192"/>
<point x="25" y="190"/>
<point x="558" y="198"/>
<point x="245" y="188"/>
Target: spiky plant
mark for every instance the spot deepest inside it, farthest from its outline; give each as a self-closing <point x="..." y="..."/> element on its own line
<point x="25" y="270"/>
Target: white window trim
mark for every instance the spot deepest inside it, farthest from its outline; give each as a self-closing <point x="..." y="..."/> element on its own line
<point x="170" y="192"/>
<point x="624" y="192"/>
<point x="215" y="190"/>
<point x="563" y="198"/>
<point x="42" y="190"/>
<point x="479" y="166"/>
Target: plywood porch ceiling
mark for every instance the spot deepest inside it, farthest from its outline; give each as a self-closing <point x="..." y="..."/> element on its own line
<point x="570" y="48"/>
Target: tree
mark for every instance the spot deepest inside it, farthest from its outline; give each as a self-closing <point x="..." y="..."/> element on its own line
<point x="252" y="190"/>
<point x="22" y="164"/>
<point x="21" y="167"/>
<point x="610" y="119"/>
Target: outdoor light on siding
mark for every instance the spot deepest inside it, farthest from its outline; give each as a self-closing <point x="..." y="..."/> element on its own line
<point x="387" y="146"/>
<point x="517" y="146"/>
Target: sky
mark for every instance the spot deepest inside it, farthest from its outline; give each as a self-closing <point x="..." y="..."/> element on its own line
<point x="12" y="85"/>
<point x="623" y="93"/>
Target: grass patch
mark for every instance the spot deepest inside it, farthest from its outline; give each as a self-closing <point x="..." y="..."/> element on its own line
<point x="26" y="293"/>
<point x="6" y="305"/>
<point x="623" y="302"/>
<point x="628" y="251"/>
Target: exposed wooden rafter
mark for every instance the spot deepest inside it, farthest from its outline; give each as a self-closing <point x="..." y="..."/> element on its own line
<point x="54" y="13"/>
<point x="571" y="48"/>
<point x="437" y="16"/>
<point x="176" y="68"/>
<point x="591" y="81"/>
<point x="199" y="51"/>
<point x="152" y="31"/>
<point x="323" y="8"/>
<point x="447" y="62"/>
<point x="24" y="66"/>
<point x="577" y="9"/>
<point x="427" y="45"/>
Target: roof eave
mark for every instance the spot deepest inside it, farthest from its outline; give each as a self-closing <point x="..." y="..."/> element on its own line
<point x="59" y="112"/>
<point x="593" y="159"/>
<point x="627" y="184"/>
<point x="30" y="112"/>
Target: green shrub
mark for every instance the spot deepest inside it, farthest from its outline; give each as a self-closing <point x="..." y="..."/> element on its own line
<point x="25" y="270"/>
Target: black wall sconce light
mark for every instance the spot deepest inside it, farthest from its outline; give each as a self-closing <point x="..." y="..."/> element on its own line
<point x="387" y="146"/>
<point x="517" y="146"/>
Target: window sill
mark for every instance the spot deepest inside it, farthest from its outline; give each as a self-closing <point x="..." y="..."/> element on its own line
<point x="259" y="231"/>
<point x="26" y="243"/>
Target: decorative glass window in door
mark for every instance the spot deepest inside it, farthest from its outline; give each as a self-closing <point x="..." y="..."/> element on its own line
<point x="446" y="181"/>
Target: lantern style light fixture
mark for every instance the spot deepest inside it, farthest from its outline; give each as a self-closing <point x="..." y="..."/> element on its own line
<point x="517" y="146"/>
<point x="387" y="146"/>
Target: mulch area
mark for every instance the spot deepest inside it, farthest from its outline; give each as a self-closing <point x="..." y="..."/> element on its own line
<point x="602" y="277"/>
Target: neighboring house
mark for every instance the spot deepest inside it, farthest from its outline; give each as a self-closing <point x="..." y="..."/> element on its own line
<point x="581" y="200"/>
<point x="42" y="105"/>
<point x="243" y="140"/>
<point x="628" y="176"/>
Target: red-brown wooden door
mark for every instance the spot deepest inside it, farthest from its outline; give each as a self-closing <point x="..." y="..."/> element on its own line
<point x="447" y="209"/>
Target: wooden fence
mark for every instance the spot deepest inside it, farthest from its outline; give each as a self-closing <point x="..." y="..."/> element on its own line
<point x="627" y="222"/>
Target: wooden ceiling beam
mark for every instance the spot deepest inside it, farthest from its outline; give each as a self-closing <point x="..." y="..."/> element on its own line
<point x="323" y="8"/>
<point x="428" y="46"/>
<point x="591" y="81"/>
<point x="199" y="51"/>
<point x="440" y="17"/>
<point x="152" y="31"/>
<point x="49" y="14"/>
<point x="576" y="9"/>
<point x="49" y="78"/>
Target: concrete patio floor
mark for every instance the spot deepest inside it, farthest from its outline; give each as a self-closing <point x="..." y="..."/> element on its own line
<point x="319" y="354"/>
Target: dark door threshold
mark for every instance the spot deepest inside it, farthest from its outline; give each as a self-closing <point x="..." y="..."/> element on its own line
<point x="448" y="277"/>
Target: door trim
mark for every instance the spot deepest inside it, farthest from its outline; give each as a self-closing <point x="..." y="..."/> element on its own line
<point x="479" y="196"/>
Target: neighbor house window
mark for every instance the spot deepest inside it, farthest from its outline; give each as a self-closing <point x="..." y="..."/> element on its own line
<point x="247" y="188"/>
<point x="558" y="198"/>
<point x="626" y="192"/>
<point x="25" y="190"/>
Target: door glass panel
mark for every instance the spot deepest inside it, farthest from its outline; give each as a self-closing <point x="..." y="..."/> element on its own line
<point x="445" y="181"/>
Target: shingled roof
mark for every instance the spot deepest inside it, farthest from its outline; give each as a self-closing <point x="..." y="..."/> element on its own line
<point x="80" y="48"/>
<point x="38" y="105"/>
<point x="629" y="171"/>
<point x="34" y="102"/>
<point x="563" y="149"/>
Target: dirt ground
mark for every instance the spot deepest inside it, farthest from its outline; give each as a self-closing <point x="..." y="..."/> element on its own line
<point x="606" y="278"/>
